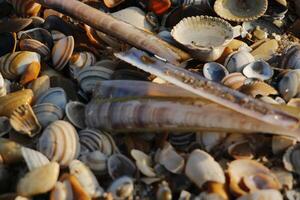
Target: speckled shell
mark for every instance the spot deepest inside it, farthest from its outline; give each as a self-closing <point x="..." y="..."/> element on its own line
<point x="79" y="61"/>
<point x="56" y="96"/>
<point x="122" y="188"/>
<point x="62" y="52"/>
<point x="237" y="60"/>
<point x="47" y="113"/>
<point x="26" y="8"/>
<point x="59" y="142"/>
<point x="35" y="46"/>
<point x="14" y="64"/>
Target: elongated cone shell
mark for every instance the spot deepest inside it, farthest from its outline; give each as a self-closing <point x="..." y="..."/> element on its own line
<point x="26" y="8"/>
<point x="31" y="73"/>
<point x="14" y="100"/>
<point x="59" y="142"/>
<point x="62" y="52"/>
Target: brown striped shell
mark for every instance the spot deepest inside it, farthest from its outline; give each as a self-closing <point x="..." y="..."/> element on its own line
<point x="35" y="46"/>
<point x="62" y="52"/>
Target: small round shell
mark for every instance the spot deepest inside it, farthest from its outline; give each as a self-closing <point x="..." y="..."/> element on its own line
<point x="33" y="159"/>
<point x="56" y="96"/>
<point x="289" y="85"/>
<point x="26" y="8"/>
<point x="47" y="113"/>
<point x="291" y="58"/>
<point x="258" y="69"/>
<point x="96" y="161"/>
<point x="81" y="60"/>
<point x="62" y="52"/>
<point x="35" y="46"/>
<point x="237" y="60"/>
<point x="214" y="71"/>
<point x="234" y="80"/>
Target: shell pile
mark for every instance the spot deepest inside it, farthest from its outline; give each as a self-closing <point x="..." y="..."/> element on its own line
<point x="86" y="114"/>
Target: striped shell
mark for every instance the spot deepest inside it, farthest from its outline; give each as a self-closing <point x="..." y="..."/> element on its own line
<point x="35" y="46"/>
<point x="62" y="52"/>
<point x="26" y="8"/>
<point x="47" y="113"/>
<point x="234" y="80"/>
<point x="56" y="96"/>
<point x="59" y="142"/>
<point x="81" y="60"/>
<point x="96" y="161"/>
<point x="33" y="159"/>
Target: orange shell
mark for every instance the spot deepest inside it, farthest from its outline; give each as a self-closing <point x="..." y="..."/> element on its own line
<point x="159" y="7"/>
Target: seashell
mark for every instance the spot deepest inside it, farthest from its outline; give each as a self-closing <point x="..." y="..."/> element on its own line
<point x="290" y="159"/>
<point x="75" y="114"/>
<point x="202" y="168"/>
<point x="69" y="86"/>
<point x="11" y="101"/>
<point x="86" y="178"/>
<point x="241" y="150"/>
<point x="62" y="52"/>
<point x="253" y="175"/>
<point x="291" y="57"/>
<point x="209" y="140"/>
<point x="181" y="141"/>
<point x="26" y="8"/>
<point x="281" y="143"/>
<point x="203" y="37"/>
<point x="288" y="86"/>
<point x="37" y="21"/>
<point x="14" y="24"/>
<point x="49" y="12"/>
<point x="258" y="69"/>
<point x="268" y="99"/>
<point x="294" y="102"/>
<point x="56" y="96"/>
<point x="170" y="159"/>
<point x="79" y="61"/>
<point x="8" y="44"/>
<point x="94" y="140"/>
<point x="3" y="85"/>
<point x="57" y="35"/>
<point x="109" y="64"/>
<point x="89" y="77"/>
<point x="46" y="113"/>
<point x="60" y="192"/>
<point x="112" y="3"/>
<point x="285" y="178"/>
<point x="35" y="46"/>
<point x="164" y="192"/>
<point x="33" y="159"/>
<point x="31" y="73"/>
<point x="262" y="194"/>
<point x="59" y="142"/>
<point x="143" y="162"/>
<point x="122" y="188"/>
<point x="239" y="11"/>
<point x="96" y="161"/>
<point x="119" y="165"/>
<point x="255" y="88"/>
<point x="159" y="7"/>
<point x="214" y="71"/>
<point x="14" y="64"/>
<point x="10" y="152"/>
<point x="5" y="126"/>
<point x="266" y="50"/>
<point x="24" y="121"/>
<point x="39" y="85"/>
<point x="264" y="25"/>
<point x="40" y="34"/>
<point x="237" y="60"/>
<point x="234" y="80"/>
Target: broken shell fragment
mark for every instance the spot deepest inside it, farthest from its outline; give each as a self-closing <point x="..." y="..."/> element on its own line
<point x="112" y="3"/>
<point x="10" y="152"/>
<point x="119" y="165"/>
<point x="143" y="162"/>
<point x="39" y="85"/>
<point x="237" y="60"/>
<point x="24" y="121"/>
<point x="56" y="96"/>
<point x="122" y="188"/>
<point x="214" y="71"/>
<point x="33" y="159"/>
<point x="202" y="168"/>
<point x="62" y="52"/>
<point x="266" y="50"/>
<point x="75" y="114"/>
<point x="209" y="140"/>
<point x="60" y="192"/>
<point x="258" y="69"/>
<point x="46" y="113"/>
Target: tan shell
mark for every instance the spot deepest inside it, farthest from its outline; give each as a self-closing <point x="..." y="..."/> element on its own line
<point x="59" y="142"/>
<point x="13" y="65"/>
<point x="62" y="52"/>
<point x="122" y="188"/>
<point x="24" y="121"/>
<point x="96" y="161"/>
<point x="240" y="150"/>
<point x="31" y="73"/>
<point x="35" y="46"/>
<point x="143" y="162"/>
<point x="26" y="8"/>
<point x="266" y="50"/>
<point x="234" y="80"/>
<point x="86" y="178"/>
<point x="31" y="183"/>
<point x="14" y="100"/>
<point x="291" y="159"/>
<point x="262" y="195"/>
<point x="3" y="90"/>
<point x="256" y="87"/>
<point x="252" y="174"/>
<point x="281" y="143"/>
<point x="295" y="102"/>
<point x="239" y="11"/>
<point x="59" y="192"/>
<point x="40" y="85"/>
<point x="112" y="3"/>
<point x="202" y="168"/>
<point x="33" y="159"/>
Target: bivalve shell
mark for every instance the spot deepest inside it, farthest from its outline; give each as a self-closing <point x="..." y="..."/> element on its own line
<point x="289" y="85"/>
<point x="62" y="52"/>
<point x="56" y="96"/>
<point x="262" y="195"/>
<point x="96" y="161"/>
<point x="5" y="126"/>
<point x="47" y="113"/>
<point x="237" y="60"/>
<point x="59" y="142"/>
<point x="214" y="71"/>
<point x="119" y="165"/>
<point x="75" y="114"/>
<point x="81" y="60"/>
<point x="281" y="143"/>
<point x="122" y="188"/>
<point x="256" y="87"/>
<point x="258" y="69"/>
<point x="143" y="162"/>
<point x="26" y="8"/>
<point x="291" y="159"/>
<point x="35" y="46"/>
<point x="33" y="159"/>
<point x="31" y="73"/>
<point x="291" y="58"/>
<point x="210" y="140"/>
<point x="39" y="85"/>
<point x="234" y="80"/>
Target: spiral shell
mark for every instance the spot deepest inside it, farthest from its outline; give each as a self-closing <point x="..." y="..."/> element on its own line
<point x="26" y="8"/>
<point x="47" y="113"/>
<point x="60" y="142"/>
<point x="62" y="52"/>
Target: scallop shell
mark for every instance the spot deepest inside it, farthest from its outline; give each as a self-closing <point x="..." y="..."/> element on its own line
<point x="291" y="58"/>
<point x="234" y="80"/>
<point x="56" y="96"/>
<point x="237" y="60"/>
<point x="290" y="159"/>
<point x="62" y="52"/>
<point x="281" y="143"/>
<point x="59" y="142"/>
<point x="143" y="162"/>
<point x="122" y="188"/>
<point x="75" y="114"/>
<point x="253" y="175"/>
<point x="96" y="161"/>
<point x="240" y="11"/>
<point x="202" y="168"/>
<point x="5" y="126"/>
<point x="86" y="178"/>
<point x="262" y="194"/>
<point x="35" y="46"/>
<point x="26" y="8"/>
<point x="47" y="113"/>
<point x="81" y="60"/>
<point x="33" y="159"/>
<point x="258" y="69"/>
<point x="214" y="71"/>
<point x="119" y="165"/>
<point x="14" y="64"/>
<point x="39" y="85"/>
<point x="24" y="121"/>
<point x="204" y="37"/>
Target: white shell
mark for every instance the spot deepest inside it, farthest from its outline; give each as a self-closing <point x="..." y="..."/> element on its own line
<point x="122" y="188"/>
<point x="75" y="114"/>
<point x="291" y="159"/>
<point x="59" y="142"/>
<point x="86" y="178"/>
<point x="262" y="195"/>
<point x="237" y="60"/>
<point x="47" y="113"/>
<point x="201" y="168"/>
<point x="214" y="71"/>
<point x="143" y="162"/>
<point x="56" y="96"/>
<point x="258" y="69"/>
<point x="81" y="60"/>
<point x="62" y="52"/>
<point x="96" y="161"/>
<point x="33" y="159"/>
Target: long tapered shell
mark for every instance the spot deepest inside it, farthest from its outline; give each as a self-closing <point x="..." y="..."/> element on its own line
<point x="62" y="52"/>
<point x="26" y="8"/>
<point x="202" y="168"/>
<point x="24" y="121"/>
<point x="35" y="46"/>
<point x="47" y="113"/>
<point x="210" y="90"/>
<point x="33" y="159"/>
<point x="239" y="11"/>
<point x="59" y="142"/>
<point x="252" y="174"/>
<point x="14" y="100"/>
<point x="262" y="194"/>
<point x="86" y="178"/>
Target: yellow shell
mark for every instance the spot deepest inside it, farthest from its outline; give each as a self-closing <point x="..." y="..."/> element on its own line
<point x="31" y="73"/>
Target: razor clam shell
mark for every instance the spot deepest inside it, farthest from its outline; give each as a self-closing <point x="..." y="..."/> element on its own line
<point x="56" y="96"/>
<point x="26" y="8"/>
<point x="96" y="161"/>
<point x="35" y="46"/>
<point x="86" y="178"/>
<point x="75" y="114"/>
<point x="202" y="168"/>
<point x="122" y="188"/>
<point x="47" y="113"/>
<point x="62" y="52"/>
<point x="33" y="159"/>
<point x="119" y="165"/>
<point x="210" y="90"/>
<point x="59" y="142"/>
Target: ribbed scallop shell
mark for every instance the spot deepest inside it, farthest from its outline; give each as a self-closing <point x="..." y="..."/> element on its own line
<point x="26" y="8"/>
<point x="240" y="11"/>
<point x="47" y="113"/>
<point x="35" y="46"/>
<point x="56" y="96"/>
<point x="62" y="52"/>
<point x="14" y="64"/>
<point x="60" y="142"/>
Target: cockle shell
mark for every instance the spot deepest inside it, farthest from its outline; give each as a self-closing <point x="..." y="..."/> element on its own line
<point x="31" y="185"/>
<point x="26" y="8"/>
<point x="96" y="161"/>
<point x="47" y="113"/>
<point x="253" y="175"/>
<point x="290" y="159"/>
<point x="143" y="162"/>
<point x="258" y="69"/>
<point x="75" y="114"/>
<point x="122" y="188"/>
<point x="237" y="60"/>
<point x="14" y="100"/>
<point x="239" y="11"/>
<point x="14" y="64"/>
<point x="81" y="60"/>
<point x="56" y="96"/>
<point x="33" y="159"/>
<point x="39" y="85"/>
<point x="234" y="80"/>
<point x="291" y="58"/>
<point x="86" y="178"/>
<point x="59" y="142"/>
<point x="204" y="37"/>
<point x="62" y="52"/>
<point x="202" y="168"/>
<point x="119" y="165"/>
<point x="24" y="121"/>
<point x="31" y="73"/>
<point x="35" y="46"/>
<point x="214" y="71"/>
<point x="268" y="194"/>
